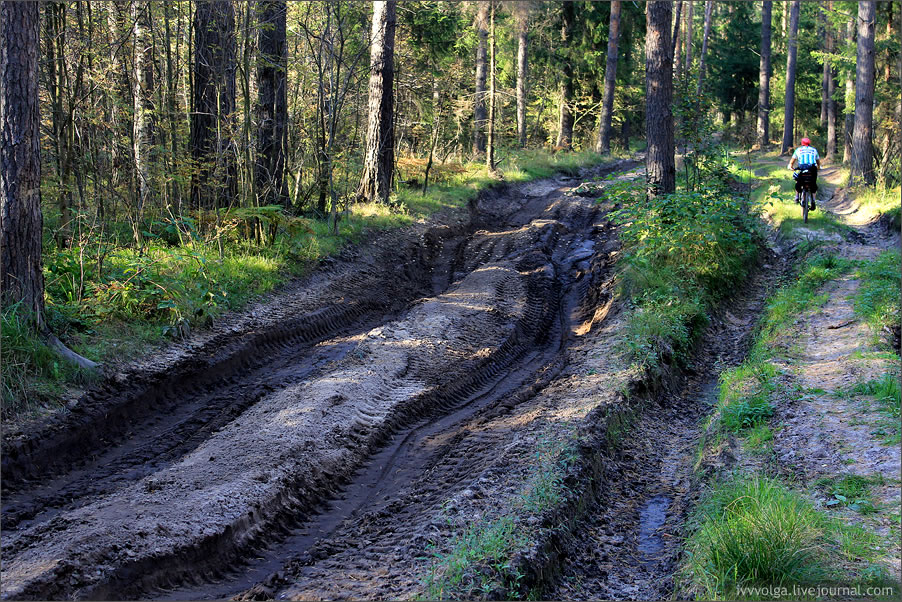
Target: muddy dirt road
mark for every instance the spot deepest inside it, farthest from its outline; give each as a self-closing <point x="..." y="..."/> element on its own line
<point x="302" y="448"/>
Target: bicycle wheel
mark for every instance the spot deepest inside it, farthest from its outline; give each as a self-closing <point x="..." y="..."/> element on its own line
<point x="806" y="199"/>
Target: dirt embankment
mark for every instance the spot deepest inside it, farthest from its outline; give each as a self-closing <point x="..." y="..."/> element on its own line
<point x="179" y="467"/>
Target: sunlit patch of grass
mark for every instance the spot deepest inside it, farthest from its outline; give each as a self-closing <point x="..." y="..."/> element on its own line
<point x="752" y="534"/>
<point x="879" y="299"/>
<point x="775" y="197"/>
<point x="877" y="201"/>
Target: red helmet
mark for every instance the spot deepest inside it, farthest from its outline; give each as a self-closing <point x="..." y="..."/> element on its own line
<point x="806" y="142"/>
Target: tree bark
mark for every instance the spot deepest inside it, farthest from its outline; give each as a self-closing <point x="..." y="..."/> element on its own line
<point x="490" y="147"/>
<point x="678" y="44"/>
<point x="690" y="25"/>
<point x="610" y="77"/>
<point x="142" y="120"/>
<point x="676" y="31"/>
<point x="849" y="102"/>
<point x="793" y="47"/>
<point x="823" y="27"/>
<point x="213" y="181"/>
<point x="565" y="121"/>
<point x="862" y="167"/>
<point x="21" y="278"/>
<point x="701" y="59"/>
<point x="479" y="110"/>
<point x="764" y="76"/>
<point x="272" y="106"/>
<point x="659" y="166"/>
<point x="379" y="154"/>
<point x="831" y="91"/>
<point x="522" y="67"/>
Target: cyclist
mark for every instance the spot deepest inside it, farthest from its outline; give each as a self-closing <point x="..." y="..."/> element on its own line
<point x="808" y="162"/>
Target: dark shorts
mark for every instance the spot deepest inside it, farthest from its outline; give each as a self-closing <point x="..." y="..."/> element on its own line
<point x="807" y="177"/>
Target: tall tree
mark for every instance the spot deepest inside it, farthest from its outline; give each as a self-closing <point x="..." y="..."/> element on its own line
<point x="831" y="90"/>
<point x="565" y="121"/>
<point x="823" y="28"/>
<point x="272" y="103"/>
<point x="379" y="155"/>
<point x="214" y="179"/>
<point x="522" y="13"/>
<point x="479" y="111"/>
<point x="764" y="76"/>
<point x="490" y="147"/>
<point x="862" y="166"/>
<point x="790" y="102"/>
<point x="610" y="77"/>
<point x="690" y="25"/>
<point x="849" y="96"/>
<point x="21" y="278"/>
<point x="701" y="57"/>
<point x="676" y="30"/>
<point x="659" y="163"/>
<point x="143" y="108"/>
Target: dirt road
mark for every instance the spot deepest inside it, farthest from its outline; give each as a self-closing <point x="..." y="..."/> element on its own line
<point x="303" y="447"/>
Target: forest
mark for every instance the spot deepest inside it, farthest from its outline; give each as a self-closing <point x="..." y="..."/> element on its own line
<point x="181" y="177"/>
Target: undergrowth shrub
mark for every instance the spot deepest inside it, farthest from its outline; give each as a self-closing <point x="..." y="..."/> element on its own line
<point x="878" y="298"/>
<point x="753" y="532"/>
<point x="681" y="253"/>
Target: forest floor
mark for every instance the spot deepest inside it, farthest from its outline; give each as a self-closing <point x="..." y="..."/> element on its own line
<point x="375" y="432"/>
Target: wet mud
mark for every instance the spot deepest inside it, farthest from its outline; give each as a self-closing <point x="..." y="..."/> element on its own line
<point x="299" y="449"/>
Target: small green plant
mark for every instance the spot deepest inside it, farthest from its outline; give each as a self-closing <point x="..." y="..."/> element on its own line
<point x="752" y="532"/>
<point x="878" y="298"/>
<point x="852" y="491"/>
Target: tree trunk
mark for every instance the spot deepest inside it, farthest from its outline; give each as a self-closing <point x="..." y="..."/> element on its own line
<point x="793" y="47"/>
<point x="764" y="77"/>
<point x="676" y="31"/>
<point x="610" y="77"/>
<point x="21" y="278"/>
<point x="659" y="166"/>
<point x="271" y="108"/>
<point x="522" y="54"/>
<point x="479" y="110"/>
<point x="565" y="122"/>
<point x="862" y="167"/>
<point x="831" y="91"/>
<point x="143" y="109"/>
<point x="849" y="102"/>
<point x="490" y="148"/>
<point x="678" y="52"/>
<point x="379" y="154"/>
<point x="690" y="25"/>
<point x="701" y="59"/>
<point x="825" y="83"/>
<point x="213" y="180"/>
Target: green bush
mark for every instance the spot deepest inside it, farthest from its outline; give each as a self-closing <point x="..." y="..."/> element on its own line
<point x="753" y="532"/>
<point x="878" y="298"/>
<point x="681" y="253"/>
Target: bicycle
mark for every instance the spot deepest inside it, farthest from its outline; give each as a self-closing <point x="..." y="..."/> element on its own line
<point x="807" y="194"/>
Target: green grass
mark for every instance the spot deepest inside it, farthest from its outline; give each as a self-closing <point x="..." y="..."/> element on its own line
<point x="110" y="301"/>
<point x="476" y="562"/>
<point x="775" y="197"/>
<point x="877" y="201"/>
<point x="32" y="371"/>
<point x="852" y="491"/>
<point x="682" y="253"/>
<point x="883" y="396"/>
<point x="878" y="298"/>
<point x="754" y="532"/>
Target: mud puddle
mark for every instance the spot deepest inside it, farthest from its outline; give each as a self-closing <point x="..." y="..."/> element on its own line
<point x="629" y="546"/>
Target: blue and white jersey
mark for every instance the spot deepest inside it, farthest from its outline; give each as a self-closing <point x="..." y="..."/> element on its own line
<point x="806" y="156"/>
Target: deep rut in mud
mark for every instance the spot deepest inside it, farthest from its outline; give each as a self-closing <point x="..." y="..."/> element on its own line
<point x="215" y="466"/>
